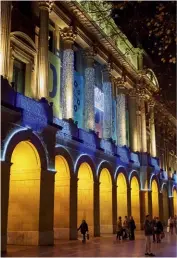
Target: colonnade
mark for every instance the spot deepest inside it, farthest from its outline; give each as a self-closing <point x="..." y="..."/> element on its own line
<point x="137" y="123"/>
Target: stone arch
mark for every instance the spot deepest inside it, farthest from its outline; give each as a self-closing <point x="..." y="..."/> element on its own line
<point x="135" y="197"/>
<point x="134" y="173"/>
<point x="107" y="165"/>
<point x="24" y="135"/>
<point x="64" y="173"/>
<point x="84" y="158"/>
<point x="122" y="170"/>
<point x="174" y="194"/>
<point x="60" y="150"/>
<point x="24" y="36"/>
<point x="105" y="196"/>
<point x="165" y="200"/>
<point x="151" y="75"/>
<point x="154" y="177"/>
<point x="155" y="196"/>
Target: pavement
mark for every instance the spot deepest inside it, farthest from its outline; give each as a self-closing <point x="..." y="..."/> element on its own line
<point x="105" y="246"/>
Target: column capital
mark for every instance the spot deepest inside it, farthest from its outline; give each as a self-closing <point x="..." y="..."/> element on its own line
<point x="132" y="93"/>
<point x="45" y="5"/>
<point x="121" y="85"/>
<point x="106" y="71"/>
<point x="141" y="92"/>
<point x="89" y="54"/>
<point x="68" y="34"/>
<point x="151" y="103"/>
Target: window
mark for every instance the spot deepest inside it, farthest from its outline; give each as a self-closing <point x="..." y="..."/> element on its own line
<point x="19" y="76"/>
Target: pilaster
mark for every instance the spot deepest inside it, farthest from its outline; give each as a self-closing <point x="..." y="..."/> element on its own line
<point x="5" y="180"/>
<point x="121" y="112"/>
<point x="133" y="122"/>
<point x="107" y="90"/>
<point x="89" y="122"/>
<point x="68" y="35"/>
<point x="152" y="129"/>
<point x="114" y="207"/>
<point x="73" y="208"/>
<point x="44" y="8"/>
<point x="5" y="37"/>
<point x="96" y="209"/>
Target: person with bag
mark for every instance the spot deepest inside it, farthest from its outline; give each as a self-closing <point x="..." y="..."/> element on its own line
<point x="153" y="228"/>
<point x="125" y="228"/>
<point x="119" y="228"/>
<point x="148" y="231"/>
<point x="84" y="229"/>
<point x="132" y="228"/>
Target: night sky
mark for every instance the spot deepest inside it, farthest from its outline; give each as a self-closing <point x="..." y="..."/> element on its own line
<point x="152" y="26"/>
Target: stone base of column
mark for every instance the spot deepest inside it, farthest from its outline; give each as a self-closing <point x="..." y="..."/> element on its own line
<point x="61" y="233"/>
<point x="73" y="234"/>
<point x="3" y="243"/>
<point x="30" y="238"/>
<point x="97" y="231"/>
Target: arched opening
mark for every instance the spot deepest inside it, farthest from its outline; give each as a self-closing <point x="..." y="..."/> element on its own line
<point x="106" y="225"/>
<point x="175" y="201"/>
<point x="155" y="199"/>
<point x="121" y="196"/>
<point x="24" y="195"/>
<point x="61" y="198"/>
<point x="146" y="198"/>
<point x="165" y="205"/>
<point x="85" y="196"/>
<point x="135" y="201"/>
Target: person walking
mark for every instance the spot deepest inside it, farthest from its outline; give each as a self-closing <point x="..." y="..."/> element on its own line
<point x="171" y="225"/>
<point x="159" y="230"/>
<point x="119" y="228"/>
<point x="132" y="228"/>
<point x="84" y="229"/>
<point x="153" y="222"/>
<point x="148" y="231"/>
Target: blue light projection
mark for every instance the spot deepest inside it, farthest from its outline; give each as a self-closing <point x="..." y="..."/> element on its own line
<point x="34" y="113"/>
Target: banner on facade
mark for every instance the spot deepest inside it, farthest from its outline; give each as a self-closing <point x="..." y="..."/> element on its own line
<point x="99" y="110"/>
<point x="114" y="121"/>
<point x="54" y="83"/>
<point x="78" y="95"/>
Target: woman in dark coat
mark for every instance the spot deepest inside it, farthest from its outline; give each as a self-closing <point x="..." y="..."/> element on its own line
<point x="84" y="229"/>
<point x="132" y="228"/>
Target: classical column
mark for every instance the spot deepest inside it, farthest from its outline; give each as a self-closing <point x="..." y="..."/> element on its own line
<point x="107" y="90"/>
<point x="152" y="129"/>
<point x="44" y="8"/>
<point x="121" y="113"/>
<point x="133" y="121"/>
<point x="142" y="96"/>
<point x="68" y="37"/>
<point x="5" y="37"/>
<point x="114" y="207"/>
<point x="89" y="110"/>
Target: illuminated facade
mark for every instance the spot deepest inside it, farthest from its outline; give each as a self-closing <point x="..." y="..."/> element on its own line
<point x="103" y="148"/>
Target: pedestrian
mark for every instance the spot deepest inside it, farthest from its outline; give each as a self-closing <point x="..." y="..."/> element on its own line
<point x="125" y="228"/>
<point x="132" y="228"/>
<point x="119" y="228"/>
<point x="159" y="229"/>
<point x="153" y="228"/>
<point x="148" y="231"/>
<point x="171" y="224"/>
<point x="84" y="229"/>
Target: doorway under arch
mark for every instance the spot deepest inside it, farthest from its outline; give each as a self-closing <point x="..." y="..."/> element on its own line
<point x="175" y="201"/>
<point x="24" y="195"/>
<point x="106" y="223"/>
<point x="165" y="205"/>
<point x="146" y="211"/>
<point x="121" y="196"/>
<point x="85" y="196"/>
<point x="155" y="199"/>
<point x="135" y="201"/>
<point x="61" y="198"/>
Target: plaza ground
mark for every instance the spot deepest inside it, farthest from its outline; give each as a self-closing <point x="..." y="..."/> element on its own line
<point x="105" y="246"/>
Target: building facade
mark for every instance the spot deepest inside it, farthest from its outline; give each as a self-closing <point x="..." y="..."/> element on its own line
<point x="83" y="134"/>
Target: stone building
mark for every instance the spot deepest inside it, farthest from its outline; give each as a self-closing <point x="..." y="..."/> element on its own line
<point x="83" y="134"/>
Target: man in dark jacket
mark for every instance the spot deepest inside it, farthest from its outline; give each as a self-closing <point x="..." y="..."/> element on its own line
<point x="153" y="228"/>
<point x="83" y="228"/>
<point x="132" y="228"/>
<point x="148" y="231"/>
